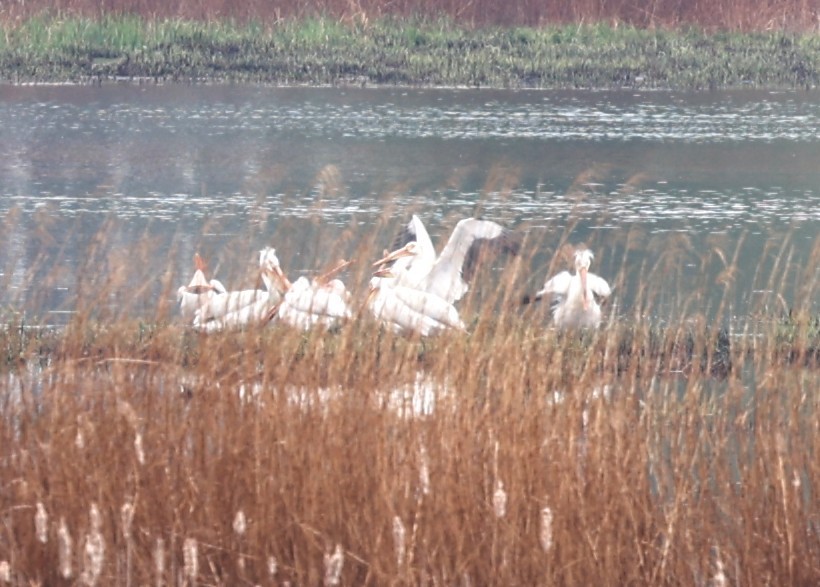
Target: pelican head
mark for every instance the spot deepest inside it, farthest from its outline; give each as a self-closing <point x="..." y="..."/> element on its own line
<point x="268" y="258"/>
<point x="411" y="249"/>
<point x="583" y="259"/>
<point x="198" y="284"/>
<point x="380" y="276"/>
<point x="269" y="265"/>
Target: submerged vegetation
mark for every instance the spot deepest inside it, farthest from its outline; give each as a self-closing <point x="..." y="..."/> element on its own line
<point x="137" y="451"/>
<point x="409" y="47"/>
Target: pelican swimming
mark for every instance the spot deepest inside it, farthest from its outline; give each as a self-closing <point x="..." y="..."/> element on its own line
<point x="445" y="275"/>
<point x="231" y="309"/>
<point x="406" y="310"/>
<point x="575" y="305"/>
<point x="322" y="301"/>
<point x="193" y="296"/>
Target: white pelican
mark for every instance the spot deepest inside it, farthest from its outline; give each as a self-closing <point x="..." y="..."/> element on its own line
<point x="407" y="310"/>
<point x="193" y="296"/>
<point x="272" y="274"/>
<point x="445" y="276"/>
<point x="575" y="304"/>
<point x="230" y="309"/>
<point x="254" y="312"/>
<point x="322" y="301"/>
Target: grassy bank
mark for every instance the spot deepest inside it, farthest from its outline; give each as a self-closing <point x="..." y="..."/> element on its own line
<point x="403" y="52"/>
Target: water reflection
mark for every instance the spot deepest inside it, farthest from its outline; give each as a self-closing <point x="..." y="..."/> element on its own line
<point x="109" y="191"/>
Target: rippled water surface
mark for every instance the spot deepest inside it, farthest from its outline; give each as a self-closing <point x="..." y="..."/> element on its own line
<point x="702" y="189"/>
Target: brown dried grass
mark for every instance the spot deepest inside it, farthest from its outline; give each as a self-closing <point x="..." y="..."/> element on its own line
<point x="721" y="14"/>
<point x="646" y="487"/>
<point x="654" y="471"/>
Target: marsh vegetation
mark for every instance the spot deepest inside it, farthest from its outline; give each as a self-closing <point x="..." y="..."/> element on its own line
<point x="675" y="445"/>
<point x="137" y="451"/>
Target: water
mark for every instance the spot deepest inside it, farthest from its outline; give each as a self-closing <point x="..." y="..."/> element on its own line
<point x="98" y="182"/>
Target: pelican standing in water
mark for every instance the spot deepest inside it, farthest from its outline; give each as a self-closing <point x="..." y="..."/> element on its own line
<point x="575" y="305"/>
<point x="445" y="275"/>
<point x="232" y="309"/>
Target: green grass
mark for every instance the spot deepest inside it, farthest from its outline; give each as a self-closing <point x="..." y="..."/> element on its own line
<point x="404" y="51"/>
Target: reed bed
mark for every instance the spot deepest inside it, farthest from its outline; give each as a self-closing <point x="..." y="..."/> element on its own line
<point x="723" y="14"/>
<point x="134" y="450"/>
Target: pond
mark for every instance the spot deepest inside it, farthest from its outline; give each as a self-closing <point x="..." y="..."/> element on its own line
<point x="109" y="191"/>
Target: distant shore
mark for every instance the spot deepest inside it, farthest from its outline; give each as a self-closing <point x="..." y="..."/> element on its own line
<point x="404" y="52"/>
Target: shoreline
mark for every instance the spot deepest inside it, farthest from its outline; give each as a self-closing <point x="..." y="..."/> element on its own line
<point x="137" y="82"/>
<point x="404" y="53"/>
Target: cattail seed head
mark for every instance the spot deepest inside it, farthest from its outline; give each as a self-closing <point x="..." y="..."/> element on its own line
<point x="333" y="566"/>
<point x="399" y="539"/>
<point x="545" y="535"/>
<point x="240" y="524"/>
<point x="138" y="450"/>
<point x="93" y="559"/>
<point x="5" y="572"/>
<point x="719" y="578"/>
<point x="127" y="517"/>
<point x="159" y="560"/>
<point x="500" y="500"/>
<point x="94" y="551"/>
<point x="94" y="518"/>
<point x="273" y="566"/>
<point x="64" y="545"/>
<point x="424" y="471"/>
<point x="41" y="523"/>
<point x="190" y="558"/>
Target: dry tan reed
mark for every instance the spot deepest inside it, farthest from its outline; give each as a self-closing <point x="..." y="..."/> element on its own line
<point x="510" y="455"/>
<point x="724" y="14"/>
<point x="639" y="486"/>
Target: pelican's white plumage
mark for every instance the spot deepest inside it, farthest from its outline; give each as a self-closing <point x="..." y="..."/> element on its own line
<point x="231" y="309"/>
<point x="445" y="275"/>
<point x="314" y="303"/>
<point x="252" y="313"/>
<point x="272" y="274"/>
<point x="407" y="310"/>
<point x="230" y="302"/>
<point x="196" y="294"/>
<point x="575" y="304"/>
